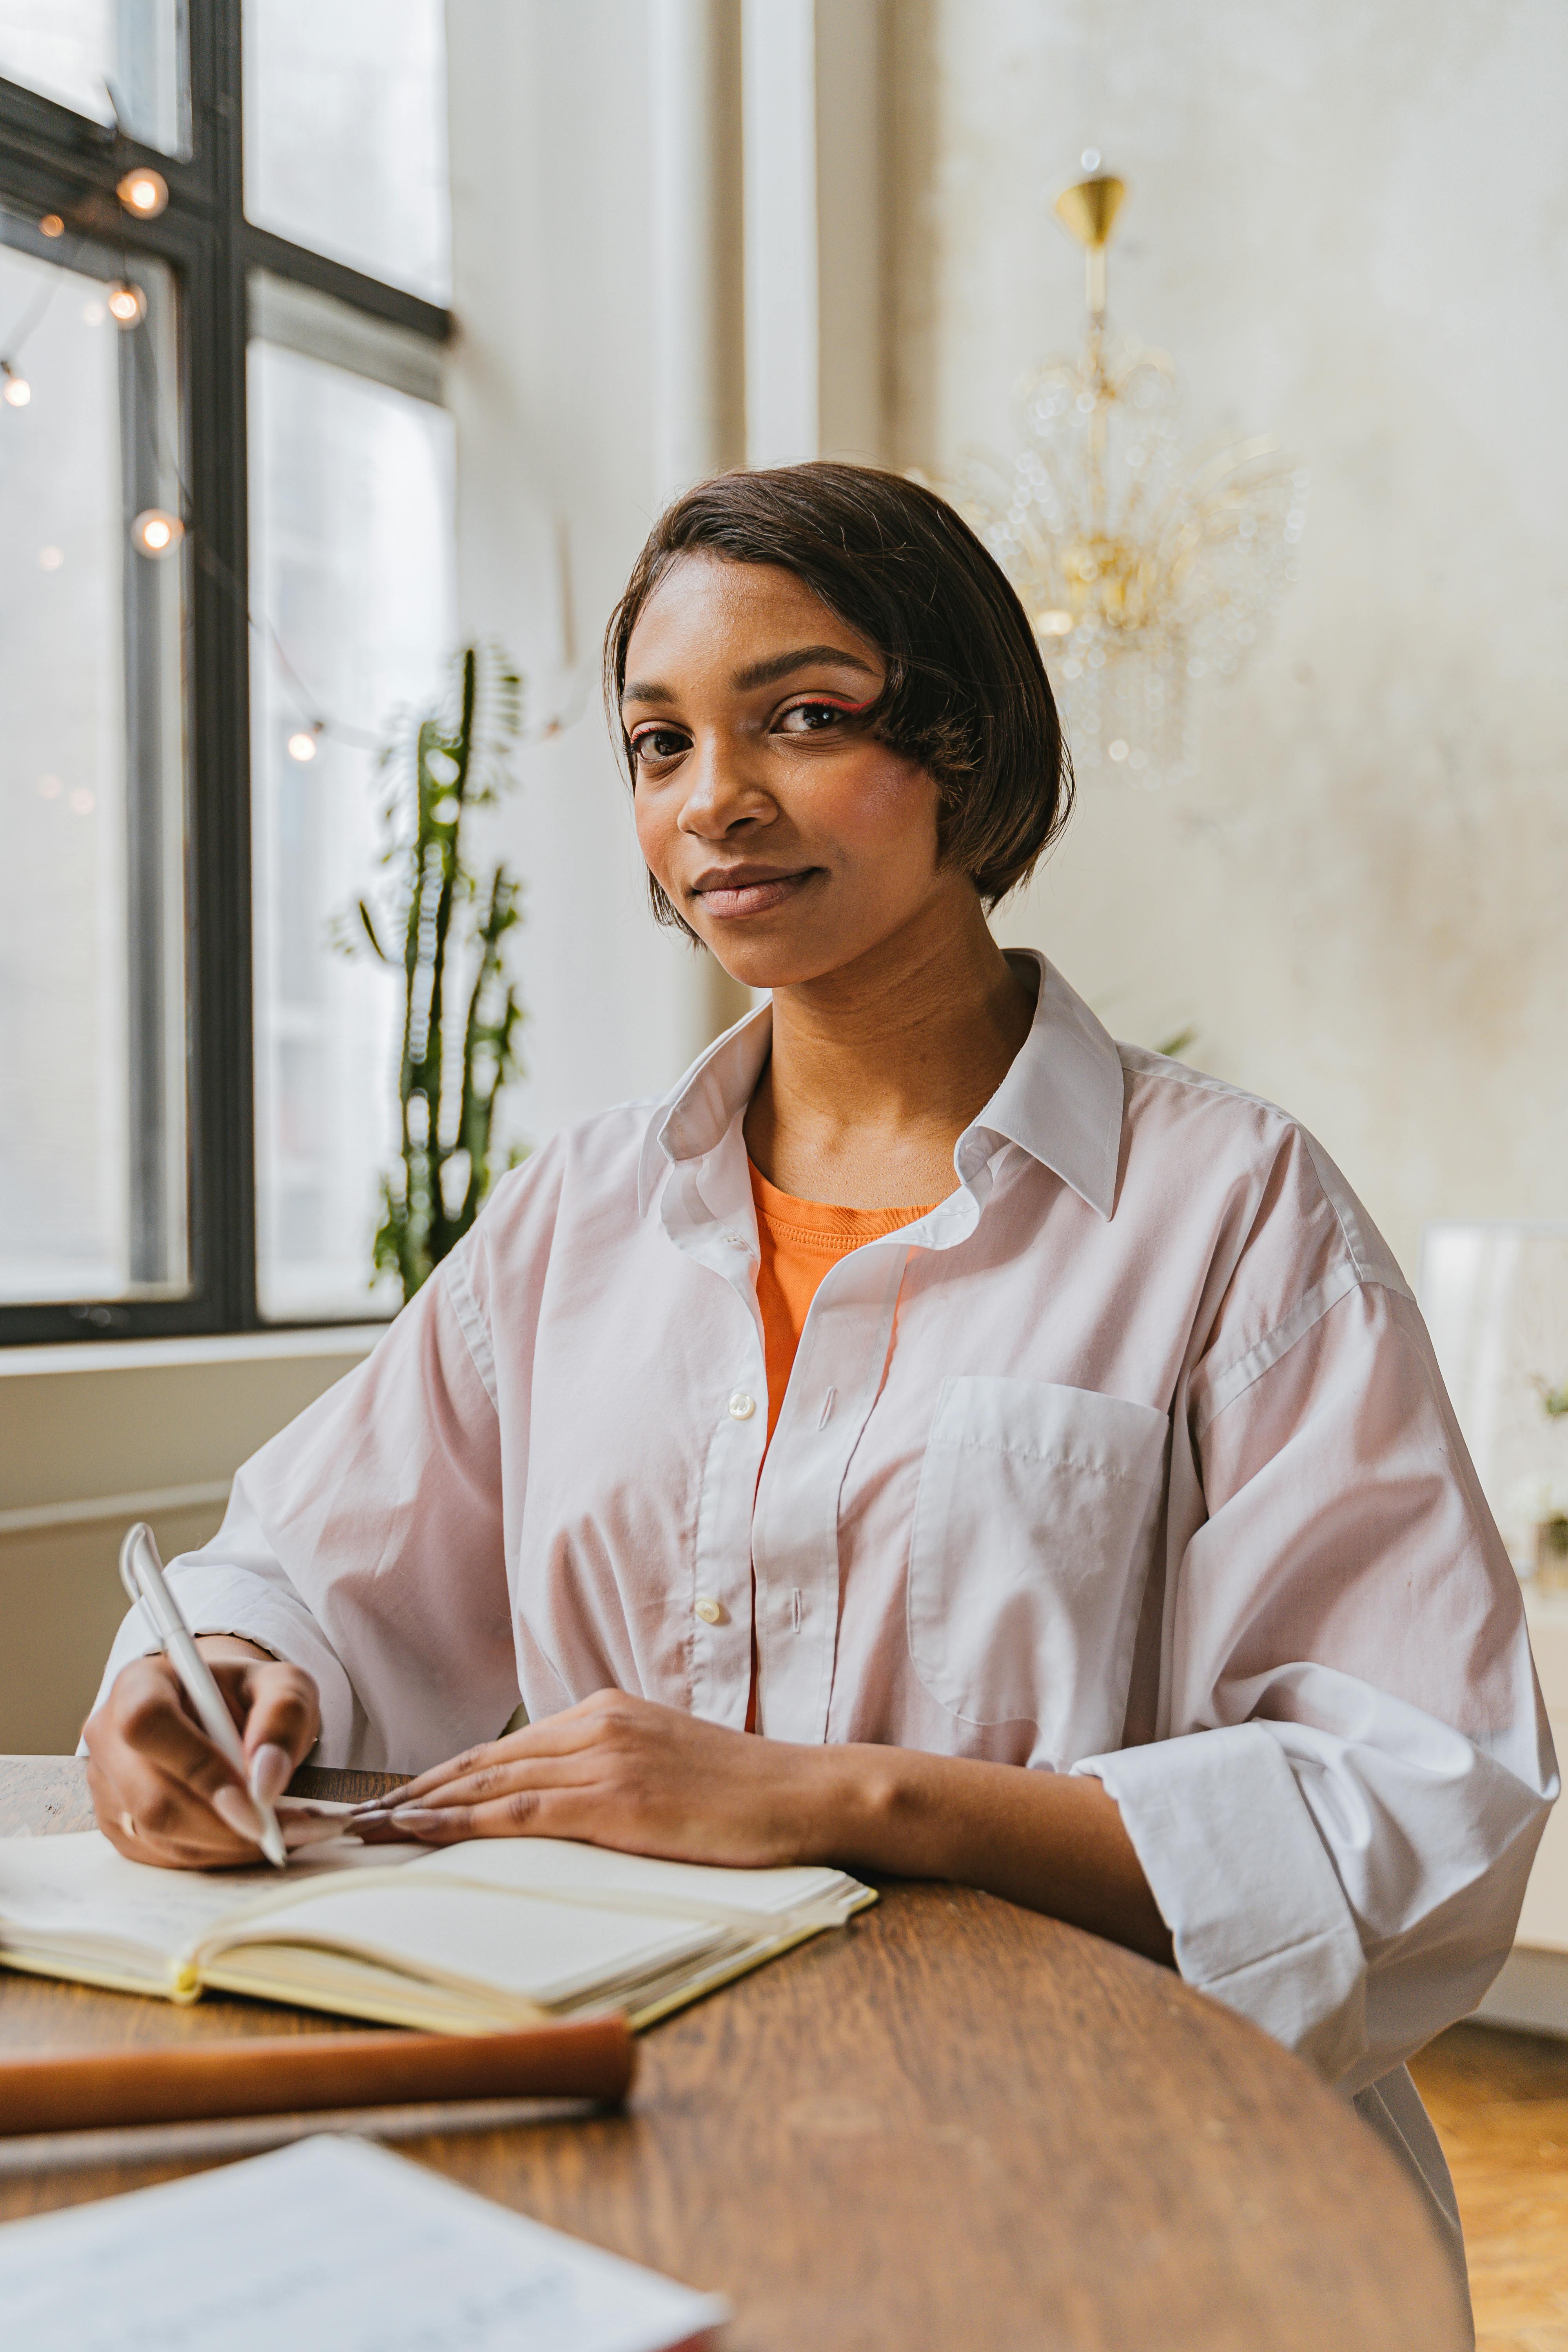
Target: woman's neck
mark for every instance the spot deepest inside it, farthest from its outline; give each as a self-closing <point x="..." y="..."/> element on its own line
<point x="876" y="1069"/>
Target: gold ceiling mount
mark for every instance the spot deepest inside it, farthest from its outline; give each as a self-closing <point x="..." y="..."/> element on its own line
<point x="1087" y="209"/>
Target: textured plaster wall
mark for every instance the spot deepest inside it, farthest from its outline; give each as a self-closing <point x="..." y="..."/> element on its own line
<point x="1349" y="225"/>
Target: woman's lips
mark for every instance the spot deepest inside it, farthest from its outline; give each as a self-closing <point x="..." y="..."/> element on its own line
<point x="727" y="900"/>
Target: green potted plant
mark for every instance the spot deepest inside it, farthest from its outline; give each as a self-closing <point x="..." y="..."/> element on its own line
<point x="443" y="923"/>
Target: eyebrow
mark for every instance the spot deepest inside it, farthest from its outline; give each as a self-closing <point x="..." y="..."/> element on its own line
<point x="763" y="673"/>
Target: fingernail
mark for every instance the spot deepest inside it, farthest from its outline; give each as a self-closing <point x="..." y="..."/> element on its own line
<point x="233" y="1806"/>
<point x="422" y="1821"/>
<point x="271" y="1767"/>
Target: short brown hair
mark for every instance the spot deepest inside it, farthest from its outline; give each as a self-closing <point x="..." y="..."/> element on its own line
<point x="966" y="694"/>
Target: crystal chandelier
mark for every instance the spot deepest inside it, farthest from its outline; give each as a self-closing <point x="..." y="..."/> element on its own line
<point x="1141" y="569"/>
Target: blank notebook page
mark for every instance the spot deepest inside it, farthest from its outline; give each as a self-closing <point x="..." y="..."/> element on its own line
<point x="541" y="1951"/>
<point x="561" y="1865"/>
<point x="328" y="2246"/>
<point x="78" y="1885"/>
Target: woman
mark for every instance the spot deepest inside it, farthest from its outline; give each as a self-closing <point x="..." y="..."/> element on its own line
<point x="1072" y="1509"/>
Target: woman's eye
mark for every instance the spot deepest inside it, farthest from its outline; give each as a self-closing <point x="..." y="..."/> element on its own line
<point x="656" y="743"/>
<point x="812" y="717"/>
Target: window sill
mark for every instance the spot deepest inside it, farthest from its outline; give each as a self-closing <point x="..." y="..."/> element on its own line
<point x="349" y="1340"/>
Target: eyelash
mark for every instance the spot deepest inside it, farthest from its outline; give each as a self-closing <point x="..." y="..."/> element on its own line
<point x="840" y="709"/>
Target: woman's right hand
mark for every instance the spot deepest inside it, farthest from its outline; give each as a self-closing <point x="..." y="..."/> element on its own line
<point x="163" y="1792"/>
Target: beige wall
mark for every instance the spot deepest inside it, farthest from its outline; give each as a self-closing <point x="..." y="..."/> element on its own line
<point x="1347" y="225"/>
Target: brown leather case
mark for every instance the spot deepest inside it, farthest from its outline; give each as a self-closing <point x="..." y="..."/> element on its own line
<point x="77" y="2091"/>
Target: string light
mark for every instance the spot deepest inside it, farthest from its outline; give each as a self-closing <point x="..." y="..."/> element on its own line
<point x="144" y="192"/>
<point x="156" y="533"/>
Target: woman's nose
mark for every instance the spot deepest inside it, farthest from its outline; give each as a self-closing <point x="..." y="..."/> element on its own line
<point x="721" y="792"/>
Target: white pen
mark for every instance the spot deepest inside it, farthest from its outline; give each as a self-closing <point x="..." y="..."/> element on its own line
<point x="142" y="1574"/>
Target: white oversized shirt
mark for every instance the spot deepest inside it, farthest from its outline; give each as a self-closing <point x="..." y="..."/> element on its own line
<point x="1130" y="1458"/>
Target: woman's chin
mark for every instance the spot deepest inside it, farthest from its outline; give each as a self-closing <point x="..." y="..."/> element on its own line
<point x="763" y="951"/>
<point x="750" y="968"/>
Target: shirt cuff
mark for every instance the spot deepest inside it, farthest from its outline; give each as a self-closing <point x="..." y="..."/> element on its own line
<point x="232" y="1600"/>
<point x="1242" y="1880"/>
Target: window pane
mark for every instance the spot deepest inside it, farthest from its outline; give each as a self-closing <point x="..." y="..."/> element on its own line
<point x="350" y="555"/>
<point x="345" y="133"/>
<point x="92" y="1060"/>
<point x="74" y="50"/>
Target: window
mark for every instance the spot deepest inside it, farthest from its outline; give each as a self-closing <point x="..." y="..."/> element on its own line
<point x="92" y="997"/>
<point x="226" y="561"/>
<point x="350" y="466"/>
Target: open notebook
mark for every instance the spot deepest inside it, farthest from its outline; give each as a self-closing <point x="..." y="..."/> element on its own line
<point x="467" y="1939"/>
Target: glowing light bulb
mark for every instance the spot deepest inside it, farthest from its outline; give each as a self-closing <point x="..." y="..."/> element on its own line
<point x="127" y="305"/>
<point x="1090" y="159"/>
<point x="19" y="391"/>
<point x="155" y="533"/>
<point x="1055" y="624"/>
<point x="303" y="744"/>
<point x="144" y="192"/>
<point x="52" y="225"/>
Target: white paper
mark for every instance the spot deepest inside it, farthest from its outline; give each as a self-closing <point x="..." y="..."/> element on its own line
<point x="329" y="2246"/>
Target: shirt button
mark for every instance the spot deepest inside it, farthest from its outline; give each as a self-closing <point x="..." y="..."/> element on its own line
<point x="742" y="1406"/>
<point x="739" y="1241"/>
<point x="709" y="1611"/>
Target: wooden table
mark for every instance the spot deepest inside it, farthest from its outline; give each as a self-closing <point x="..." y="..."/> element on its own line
<point x="952" y="2124"/>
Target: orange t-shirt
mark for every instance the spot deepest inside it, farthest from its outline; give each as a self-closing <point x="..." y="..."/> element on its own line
<point x="799" y="1239"/>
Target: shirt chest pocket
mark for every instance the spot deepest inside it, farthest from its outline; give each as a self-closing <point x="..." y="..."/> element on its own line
<point x="1034" y="1528"/>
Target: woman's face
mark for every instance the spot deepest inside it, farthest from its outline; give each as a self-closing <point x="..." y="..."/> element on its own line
<point x="792" y="842"/>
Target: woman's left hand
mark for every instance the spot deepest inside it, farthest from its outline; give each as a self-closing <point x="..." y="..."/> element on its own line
<point x="621" y="1772"/>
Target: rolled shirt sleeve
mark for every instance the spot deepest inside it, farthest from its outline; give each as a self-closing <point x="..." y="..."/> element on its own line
<point x="365" y="1544"/>
<point x="1353" y="1767"/>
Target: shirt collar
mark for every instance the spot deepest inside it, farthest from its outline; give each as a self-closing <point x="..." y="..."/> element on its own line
<point x="1061" y="1101"/>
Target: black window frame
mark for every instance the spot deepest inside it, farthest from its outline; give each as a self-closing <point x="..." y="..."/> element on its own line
<point x="54" y="160"/>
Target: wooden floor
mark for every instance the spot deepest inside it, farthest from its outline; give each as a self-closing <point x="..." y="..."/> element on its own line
<point x="1501" y="2105"/>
